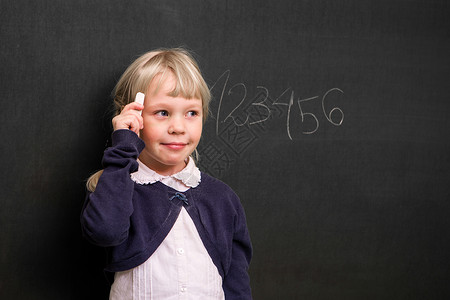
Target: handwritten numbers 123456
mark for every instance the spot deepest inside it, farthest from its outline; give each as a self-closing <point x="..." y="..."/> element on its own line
<point x="262" y="108"/>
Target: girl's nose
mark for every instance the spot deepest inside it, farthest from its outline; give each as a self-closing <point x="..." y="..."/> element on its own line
<point x="176" y="125"/>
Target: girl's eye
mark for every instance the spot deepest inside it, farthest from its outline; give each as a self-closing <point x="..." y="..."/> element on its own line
<point x="192" y="113"/>
<point x="162" y="113"/>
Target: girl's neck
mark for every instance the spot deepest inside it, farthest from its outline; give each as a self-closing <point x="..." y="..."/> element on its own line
<point x="162" y="169"/>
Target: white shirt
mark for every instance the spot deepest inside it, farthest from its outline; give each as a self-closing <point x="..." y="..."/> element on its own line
<point x="180" y="268"/>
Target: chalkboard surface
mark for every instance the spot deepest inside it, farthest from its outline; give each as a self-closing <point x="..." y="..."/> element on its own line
<point x="330" y="120"/>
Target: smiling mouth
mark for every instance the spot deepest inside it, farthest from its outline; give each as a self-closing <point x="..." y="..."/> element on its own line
<point x="174" y="146"/>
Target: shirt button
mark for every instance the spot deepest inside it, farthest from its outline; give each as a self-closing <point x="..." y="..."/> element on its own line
<point x="180" y="251"/>
<point x="183" y="289"/>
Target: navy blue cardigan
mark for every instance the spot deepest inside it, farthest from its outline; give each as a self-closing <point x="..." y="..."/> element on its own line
<point x="132" y="220"/>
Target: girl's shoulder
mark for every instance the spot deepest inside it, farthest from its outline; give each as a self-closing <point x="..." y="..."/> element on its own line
<point x="216" y="188"/>
<point x="210" y="183"/>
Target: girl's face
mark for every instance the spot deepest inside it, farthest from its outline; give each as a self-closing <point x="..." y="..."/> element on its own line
<point x="172" y="128"/>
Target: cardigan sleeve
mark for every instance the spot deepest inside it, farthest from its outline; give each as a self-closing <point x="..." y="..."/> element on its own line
<point x="236" y="282"/>
<point x="105" y="217"/>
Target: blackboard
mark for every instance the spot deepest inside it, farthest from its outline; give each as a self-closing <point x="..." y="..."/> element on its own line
<point x="330" y="120"/>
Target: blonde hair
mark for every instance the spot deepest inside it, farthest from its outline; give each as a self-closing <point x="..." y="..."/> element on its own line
<point x="138" y="76"/>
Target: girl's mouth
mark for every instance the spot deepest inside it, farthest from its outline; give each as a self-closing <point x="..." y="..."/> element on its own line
<point x="174" y="146"/>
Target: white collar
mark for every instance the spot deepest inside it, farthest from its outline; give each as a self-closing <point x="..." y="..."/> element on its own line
<point x="190" y="175"/>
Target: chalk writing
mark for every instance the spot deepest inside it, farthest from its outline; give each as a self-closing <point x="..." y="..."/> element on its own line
<point x="240" y="119"/>
<point x="261" y="108"/>
<point x="334" y="109"/>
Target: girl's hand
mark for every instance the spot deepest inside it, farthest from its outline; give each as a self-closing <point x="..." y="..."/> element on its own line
<point x="129" y="118"/>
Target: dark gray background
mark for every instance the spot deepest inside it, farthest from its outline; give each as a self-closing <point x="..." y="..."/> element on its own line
<point x="358" y="210"/>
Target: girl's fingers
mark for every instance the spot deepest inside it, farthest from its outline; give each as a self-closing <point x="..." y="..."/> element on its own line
<point x="135" y="124"/>
<point x="133" y="106"/>
<point x="136" y="109"/>
<point x="129" y="118"/>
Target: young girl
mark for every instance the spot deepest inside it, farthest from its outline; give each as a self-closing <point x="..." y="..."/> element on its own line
<point x="171" y="231"/>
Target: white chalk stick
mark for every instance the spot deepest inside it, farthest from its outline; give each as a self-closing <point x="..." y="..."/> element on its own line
<point x="140" y="99"/>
